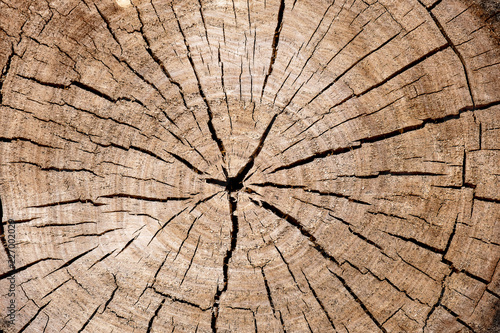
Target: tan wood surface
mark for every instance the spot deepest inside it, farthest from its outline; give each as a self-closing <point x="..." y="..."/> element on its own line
<point x="250" y="166"/>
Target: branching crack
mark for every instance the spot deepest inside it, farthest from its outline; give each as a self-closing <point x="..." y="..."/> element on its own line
<point x="294" y="222"/>
<point x="319" y="301"/>
<point x="276" y="40"/>
<point x="210" y="125"/>
<point x="356" y="298"/>
<point x="72" y="260"/>
<point x="22" y="268"/>
<point x="150" y="324"/>
<point x="225" y="266"/>
<point x="34" y="317"/>
<point x="276" y="313"/>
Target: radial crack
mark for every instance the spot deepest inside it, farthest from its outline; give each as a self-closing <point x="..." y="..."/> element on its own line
<point x="210" y="124"/>
<point x="229" y="253"/>
<point x="319" y="301"/>
<point x="142" y="198"/>
<point x="276" y="40"/>
<point x="238" y="179"/>
<point x="269" y="297"/>
<point x="162" y="66"/>
<point x="288" y="267"/>
<point x="385" y="136"/>
<point x="89" y="319"/>
<point x="179" y="300"/>
<point x="34" y="317"/>
<point x="356" y="298"/>
<point x="150" y="324"/>
<point x="294" y="222"/>
<point x="10" y="256"/>
<point x="191" y="261"/>
<point x="186" y="163"/>
<point x="187" y="236"/>
<point x="5" y="71"/>
<point x="165" y="224"/>
<point x="454" y="48"/>
<point x="72" y="260"/>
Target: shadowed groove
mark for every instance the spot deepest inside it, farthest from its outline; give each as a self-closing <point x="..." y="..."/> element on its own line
<point x="176" y="165"/>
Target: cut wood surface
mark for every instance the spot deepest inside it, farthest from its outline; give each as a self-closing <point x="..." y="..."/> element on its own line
<point x="250" y="166"/>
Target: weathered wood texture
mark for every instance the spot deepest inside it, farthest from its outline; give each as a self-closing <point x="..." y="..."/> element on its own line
<point x="244" y="166"/>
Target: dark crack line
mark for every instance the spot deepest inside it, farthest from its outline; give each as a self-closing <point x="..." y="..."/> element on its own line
<point x="313" y="52"/>
<point x="10" y="256"/>
<point x="165" y="224"/>
<point x="442" y="252"/>
<point x="238" y="179"/>
<point x="307" y="321"/>
<point x="111" y="296"/>
<point x="319" y="301"/>
<point x="203" y="21"/>
<point x="276" y="313"/>
<point x="20" y="221"/>
<point x="276" y="40"/>
<point x="160" y="63"/>
<point x="96" y="234"/>
<point x="349" y="68"/>
<point x="91" y="90"/>
<point x="34" y="317"/>
<point x="385" y="136"/>
<point x="142" y="198"/>
<point x="385" y="279"/>
<point x="68" y="202"/>
<point x="5" y="71"/>
<point x="22" y="268"/>
<point x="102" y="258"/>
<point x="189" y="145"/>
<point x="311" y="158"/>
<point x="158" y="270"/>
<point x="72" y="260"/>
<point x="139" y="75"/>
<point x="56" y="288"/>
<point x="89" y="319"/>
<point x="306" y="189"/>
<point x="179" y="300"/>
<point x="221" y="64"/>
<point x="186" y="163"/>
<point x="418" y="243"/>
<point x="56" y="169"/>
<point x="210" y="124"/>
<point x="214" y="181"/>
<point x="294" y="222"/>
<point x="457" y="318"/>
<point x="191" y="261"/>
<point x="157" y="311"/>
<point x="434" y="307"/>
<point x="108" y="26"/>
<point x="454" y="48"/>
<point x="127" y="245"/>
<point x="187" y="236"/>
<point x="393" y="75"/>
<point x="288" y="267"/>
<point x="225" y="266"/>
<point x="9" y="140"/>
<point x="349" y="225"/>
<point x="356" y="298"/>
<point x="203" y="200"/>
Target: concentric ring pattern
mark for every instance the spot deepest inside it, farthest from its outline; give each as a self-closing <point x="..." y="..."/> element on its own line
<point x="250" y="166"/>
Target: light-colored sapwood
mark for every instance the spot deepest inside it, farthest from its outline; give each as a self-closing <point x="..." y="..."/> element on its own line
<point x="251" y="166"/>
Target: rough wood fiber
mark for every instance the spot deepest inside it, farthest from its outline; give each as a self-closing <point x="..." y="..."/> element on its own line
<point x="244" y="166"/>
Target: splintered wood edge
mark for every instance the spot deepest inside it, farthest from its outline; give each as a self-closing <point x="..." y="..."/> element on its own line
<point x="241" y="166"/>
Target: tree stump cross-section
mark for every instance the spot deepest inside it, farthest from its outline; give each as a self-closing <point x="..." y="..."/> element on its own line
<point x="250" y="166"/>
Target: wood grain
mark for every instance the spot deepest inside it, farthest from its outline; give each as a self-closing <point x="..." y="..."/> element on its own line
<point x="251" y="166"/>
